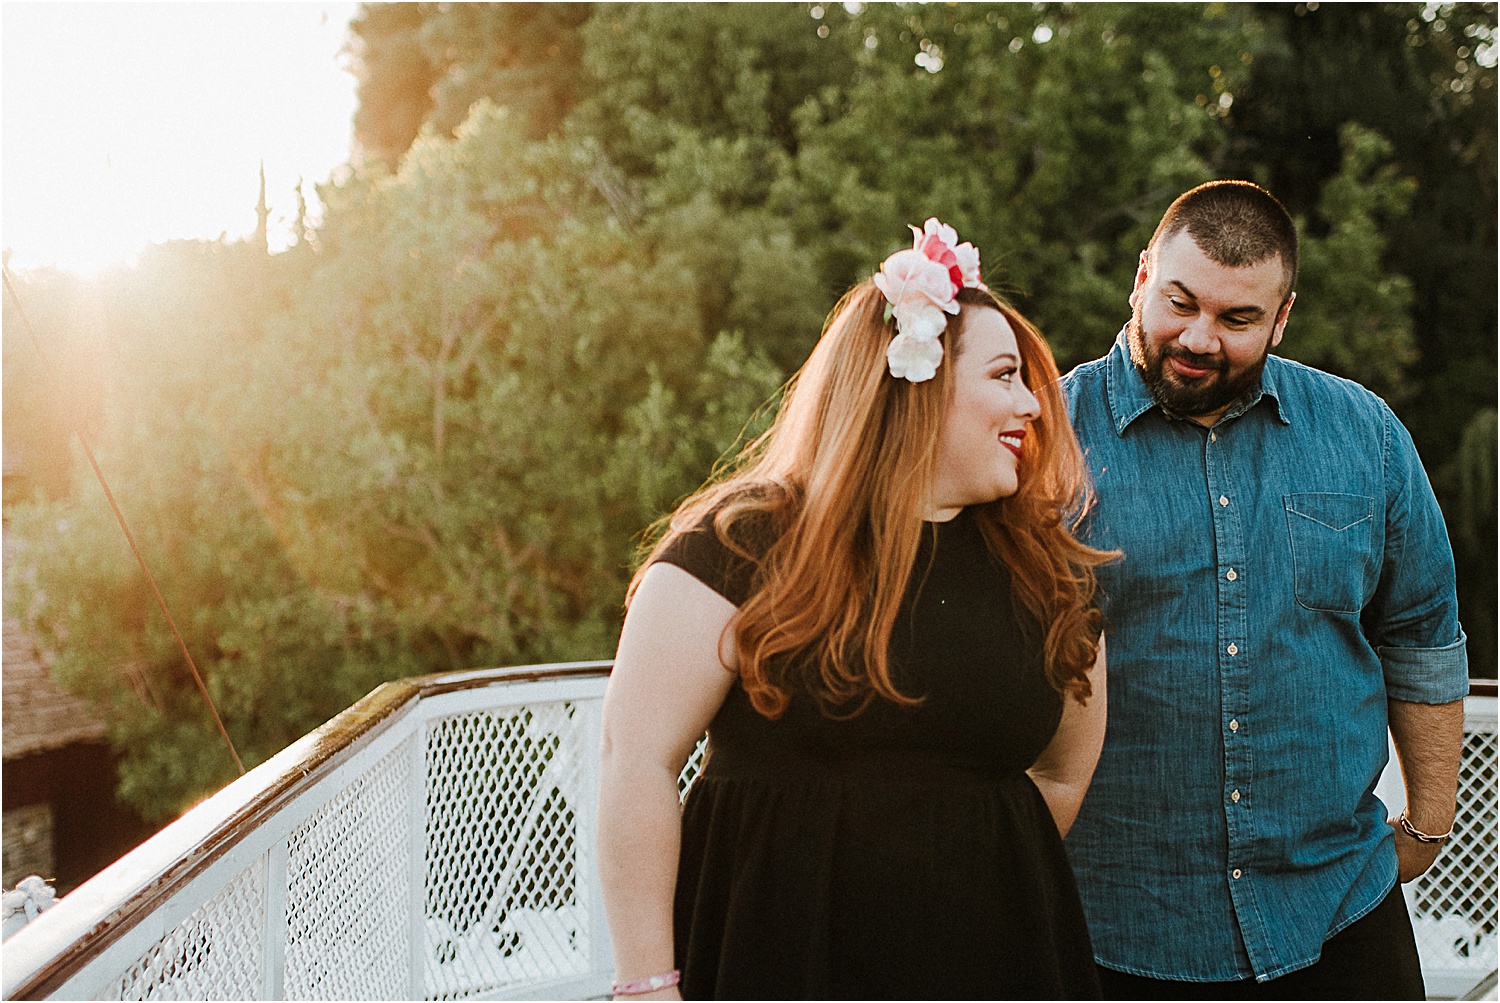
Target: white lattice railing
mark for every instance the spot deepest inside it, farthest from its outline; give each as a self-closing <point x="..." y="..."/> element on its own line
<point x="432" y="842"/>
<point x="435" y="842"/>
<point x="1453" y="906"/>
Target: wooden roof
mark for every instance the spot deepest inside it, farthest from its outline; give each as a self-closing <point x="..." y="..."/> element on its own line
<point x="36" y="715"/>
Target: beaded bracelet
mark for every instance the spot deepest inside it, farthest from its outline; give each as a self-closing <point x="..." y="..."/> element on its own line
<point x="1418" y="834"/>
<point x="650" y="984"/>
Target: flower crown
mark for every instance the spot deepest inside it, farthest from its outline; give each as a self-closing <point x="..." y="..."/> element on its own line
<point x="921" y="289"/>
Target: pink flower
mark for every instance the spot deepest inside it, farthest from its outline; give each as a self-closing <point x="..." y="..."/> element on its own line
<point x="909" y="280"/>
<point x="914" y="359"/>
<point x="939" y="242"/>
<point x="935" y="250"/>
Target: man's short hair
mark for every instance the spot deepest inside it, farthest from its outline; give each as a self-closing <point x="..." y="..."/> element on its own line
<point x="1235" y="223"/>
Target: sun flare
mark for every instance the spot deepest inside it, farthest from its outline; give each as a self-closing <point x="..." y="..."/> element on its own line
<point x="132" y="124"/>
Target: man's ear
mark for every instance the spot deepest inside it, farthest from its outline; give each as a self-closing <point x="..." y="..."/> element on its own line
<point x="1142" y="272"/>
<point x="1281" y="316"/>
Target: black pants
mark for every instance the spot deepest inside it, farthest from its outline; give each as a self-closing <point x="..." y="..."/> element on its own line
<point x="1373" y="958"/>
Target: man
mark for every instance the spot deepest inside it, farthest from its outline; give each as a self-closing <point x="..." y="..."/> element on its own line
<point x="1286" y="593"/>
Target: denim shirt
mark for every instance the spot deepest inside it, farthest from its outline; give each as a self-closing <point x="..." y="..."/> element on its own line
<point x="1285" y="574"/>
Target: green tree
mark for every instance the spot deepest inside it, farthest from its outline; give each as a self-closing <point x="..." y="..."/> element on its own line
<point x="431" y="445"/>
<point x="179" y="328"/>
<point x="1352" y="317"/>
<point x="1046" y="133"/>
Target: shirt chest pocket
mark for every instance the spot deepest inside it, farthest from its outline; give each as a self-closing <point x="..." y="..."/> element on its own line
<point x="1333" y="549"/>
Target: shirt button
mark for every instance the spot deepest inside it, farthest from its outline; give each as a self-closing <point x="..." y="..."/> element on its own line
<point x="1232" y="575"/>
<point x="1213" y="437"/>
<point x="1233" y="649"/>
<point x="1234" y="725"/>
<point x="1235" y="874"/>
<point x="1235" y="797"/>
<point x="1223" y="501"/>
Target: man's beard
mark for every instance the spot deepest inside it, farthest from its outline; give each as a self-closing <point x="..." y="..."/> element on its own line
<point x="1204" y="395"/>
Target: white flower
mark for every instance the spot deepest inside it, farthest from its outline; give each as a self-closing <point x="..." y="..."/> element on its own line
<point x="942" y="231"/>
<point x="914" y="359"/>
<point x="924" y="322"/>
<point x="909" y="279"/>
<point x="968" y="263"/>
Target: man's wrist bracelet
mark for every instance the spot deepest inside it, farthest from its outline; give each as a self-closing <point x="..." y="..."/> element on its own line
<point x="650" y="984"/>
<point x="1418" y="834"/>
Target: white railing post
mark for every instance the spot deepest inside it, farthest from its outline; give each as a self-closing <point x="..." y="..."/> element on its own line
<point x="602" y="959"/>
<point x="417" y="913"/>
<point x="273" y="955"/>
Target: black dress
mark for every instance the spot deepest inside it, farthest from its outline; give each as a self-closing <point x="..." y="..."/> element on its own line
<point x="900" y="854"/>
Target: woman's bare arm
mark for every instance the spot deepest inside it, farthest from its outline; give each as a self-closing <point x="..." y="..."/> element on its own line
<point x="1063" y="771"/>
<point x="667" y="684"/>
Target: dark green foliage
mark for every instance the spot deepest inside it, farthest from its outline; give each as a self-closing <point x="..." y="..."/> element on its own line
<point x="593" y="240"/>
<point x="1351" y="317"/>
<point x="1467" y="485"/>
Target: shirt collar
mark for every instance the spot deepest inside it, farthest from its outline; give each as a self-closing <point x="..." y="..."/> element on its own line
<point x="1129" y="397"/>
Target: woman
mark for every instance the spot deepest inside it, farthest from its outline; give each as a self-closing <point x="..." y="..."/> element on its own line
<point x="885" y="626"/>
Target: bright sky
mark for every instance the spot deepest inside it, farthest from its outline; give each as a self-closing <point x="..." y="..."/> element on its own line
<point x="127" y="124"/>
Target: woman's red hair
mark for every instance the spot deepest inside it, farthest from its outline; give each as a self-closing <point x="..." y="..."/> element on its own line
<point x="841" y="482"/>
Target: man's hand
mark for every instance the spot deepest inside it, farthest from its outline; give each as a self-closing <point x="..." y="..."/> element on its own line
<point x="1413" y="856"/>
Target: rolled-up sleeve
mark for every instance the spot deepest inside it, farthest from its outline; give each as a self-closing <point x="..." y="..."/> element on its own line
<point x="1412" y="620"/>
<point x="1426" y="675"/>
